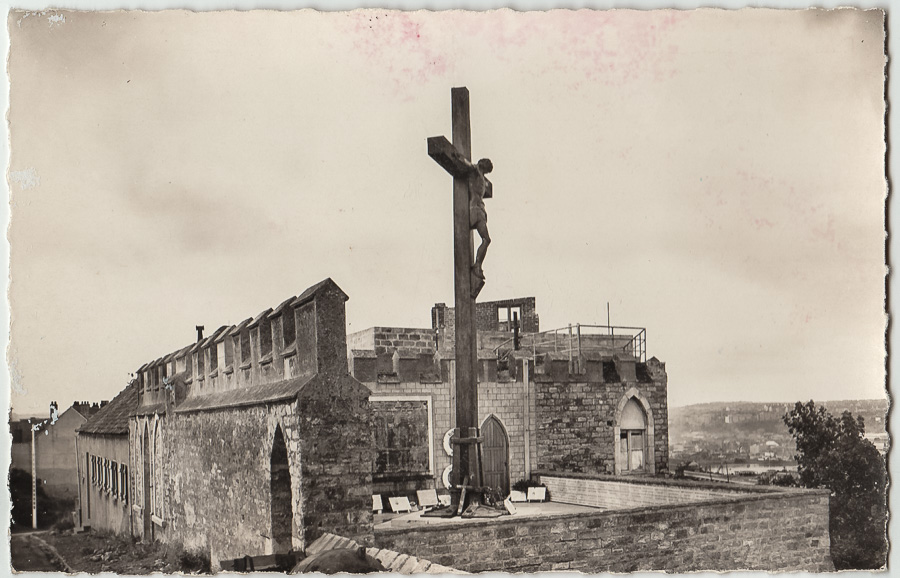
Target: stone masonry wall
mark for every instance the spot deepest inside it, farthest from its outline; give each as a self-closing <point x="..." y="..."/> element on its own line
<point x="785" y="531"/>
<point x="337" y="445"/>
<point x="577" y="419"/>
<point x="221" y="489"/>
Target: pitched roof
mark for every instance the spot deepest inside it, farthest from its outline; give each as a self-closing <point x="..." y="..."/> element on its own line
<point x="266" y="393"/>
<point x="112" y="419"/>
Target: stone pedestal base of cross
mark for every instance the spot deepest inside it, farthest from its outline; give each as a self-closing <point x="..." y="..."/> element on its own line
<point x="455" y="158"/>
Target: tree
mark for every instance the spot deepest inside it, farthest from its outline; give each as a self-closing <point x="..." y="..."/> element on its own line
<point x="833" y="453"/>
<point x="20" y="496"/>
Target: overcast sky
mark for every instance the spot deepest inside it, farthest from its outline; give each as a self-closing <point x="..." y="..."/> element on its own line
<point x="717" y="177"/>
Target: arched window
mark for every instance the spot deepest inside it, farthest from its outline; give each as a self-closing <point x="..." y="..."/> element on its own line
<point x="157" y="473"/>
<point x="633" y="437"/>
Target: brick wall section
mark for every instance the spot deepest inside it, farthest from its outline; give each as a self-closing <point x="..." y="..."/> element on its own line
<point x="577" y="417"/>
<point x="404" y="339"/>
<point x="784" y="531"/>
<point x="615" y="495"/>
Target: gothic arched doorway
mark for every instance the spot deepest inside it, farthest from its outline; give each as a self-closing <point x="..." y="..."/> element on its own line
<point x="495" y="455"/>
<point x="280" y="491"/>
<point x="633" y="437"/>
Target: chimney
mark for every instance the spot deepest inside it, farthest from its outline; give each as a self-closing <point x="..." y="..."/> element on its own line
<point x="199" y="333"/>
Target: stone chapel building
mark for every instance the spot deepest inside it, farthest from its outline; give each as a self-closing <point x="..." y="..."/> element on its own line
<point x="266" y="434"/>
<point x="219" y="427"/>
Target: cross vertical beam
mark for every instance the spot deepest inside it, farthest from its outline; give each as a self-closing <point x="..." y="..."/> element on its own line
<point x="466" y="338"/>
<point x="465" y="462"/>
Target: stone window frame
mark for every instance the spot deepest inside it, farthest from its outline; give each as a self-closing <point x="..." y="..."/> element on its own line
<point x="428" y="399"/>
<point x="650" y="461"/>
<point x="123" y="483"/>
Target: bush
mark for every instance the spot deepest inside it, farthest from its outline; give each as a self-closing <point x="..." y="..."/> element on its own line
<point x="523" y="485"/>
<point x="64" y="523"/>
<point x="194" y="562"/>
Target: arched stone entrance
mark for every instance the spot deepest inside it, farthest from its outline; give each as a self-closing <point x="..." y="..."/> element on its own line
<point x="633" y="433"/>
<point x="280" y="492"/>
<point x="495" y="455"/>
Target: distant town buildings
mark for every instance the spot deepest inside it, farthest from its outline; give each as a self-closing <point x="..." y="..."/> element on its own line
<point x="54" y="443"/>
<point x="738" y="432"/>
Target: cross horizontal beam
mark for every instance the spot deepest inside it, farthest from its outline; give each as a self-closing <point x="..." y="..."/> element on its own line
<point x="446" y="155"/>
<point x="452" y="161"/>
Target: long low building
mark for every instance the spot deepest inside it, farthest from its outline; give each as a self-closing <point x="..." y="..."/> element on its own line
<point x="101" y="449"/>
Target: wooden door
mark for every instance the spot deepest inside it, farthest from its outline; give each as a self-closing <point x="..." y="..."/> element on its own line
<point x="495" y="453"/>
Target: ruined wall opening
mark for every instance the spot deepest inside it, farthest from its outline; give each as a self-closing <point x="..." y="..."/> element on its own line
<point x="280" y="491"/>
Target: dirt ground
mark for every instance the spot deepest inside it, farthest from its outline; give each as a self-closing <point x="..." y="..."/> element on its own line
<point x="94" y="552"/>
<point x="26" y="555"/>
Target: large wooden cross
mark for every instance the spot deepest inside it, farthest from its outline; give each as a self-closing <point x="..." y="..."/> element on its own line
<point x="452" y="157"/>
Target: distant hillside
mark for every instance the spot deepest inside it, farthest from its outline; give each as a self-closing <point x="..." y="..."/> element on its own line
<point x="751" y="415"/>
<point x="744" y="424"/>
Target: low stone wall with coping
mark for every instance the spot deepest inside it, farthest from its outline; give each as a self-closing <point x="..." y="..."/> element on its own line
<point x="617" y="493"/>
<point x="758" y="529"/>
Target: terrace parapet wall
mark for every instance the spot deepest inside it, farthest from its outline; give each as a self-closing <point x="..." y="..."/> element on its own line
<point x="782" y="531"/>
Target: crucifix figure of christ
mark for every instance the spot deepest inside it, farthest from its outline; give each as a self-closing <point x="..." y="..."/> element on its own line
<point x="470" y="188"/>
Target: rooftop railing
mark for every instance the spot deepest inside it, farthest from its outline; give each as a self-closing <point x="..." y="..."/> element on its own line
<point x="576" y="340"/>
